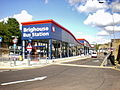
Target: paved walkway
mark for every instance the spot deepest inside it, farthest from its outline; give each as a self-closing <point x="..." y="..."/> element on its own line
<point x="25" y="64"/>
<point x="45" y="62"/>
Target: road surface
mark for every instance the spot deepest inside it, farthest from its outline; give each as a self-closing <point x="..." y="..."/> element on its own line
<point x="62" y="76"/>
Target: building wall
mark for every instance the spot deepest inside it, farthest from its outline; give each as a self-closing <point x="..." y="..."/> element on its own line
<point x="104" y="46"/>
<point x="115" y="46"/>
<point x="112" y="46"/>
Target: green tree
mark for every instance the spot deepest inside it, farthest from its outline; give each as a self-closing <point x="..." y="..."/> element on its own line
<point x="9" y="29"/>
<point x="4" y="32"/>
<point x="13" y="28"/>
<point x="97" y="46"/>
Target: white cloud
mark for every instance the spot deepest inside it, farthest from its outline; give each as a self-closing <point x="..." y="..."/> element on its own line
<point x="99" y="15"/>
<point x="102" y="18"/>
<point x="46" y="1"/>
<point x="91" y="6"/>
<point x="81" y="35"/>
<point x="103" y="33"/>
<point x="111" y="28"/>
<point x="116" y="6"/>
<point x="102" y="40"/>
<point x="23" y="16"/>
<point x="73" y="2"/>
<point x="91" y="38"/>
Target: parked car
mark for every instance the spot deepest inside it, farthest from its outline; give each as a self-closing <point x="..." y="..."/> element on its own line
<point x="94" y="55"/>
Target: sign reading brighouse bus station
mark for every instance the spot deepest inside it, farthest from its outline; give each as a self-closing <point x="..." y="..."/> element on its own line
<point x="42" y="31"/>
<point x="35" y="31"/>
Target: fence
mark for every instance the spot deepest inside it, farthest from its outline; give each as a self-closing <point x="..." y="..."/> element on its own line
<point x="16" y="60"/>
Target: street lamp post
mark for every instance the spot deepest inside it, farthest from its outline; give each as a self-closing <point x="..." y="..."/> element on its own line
<point x="14" y="46"/>
<point x="113" y="24"/>
<point x="0" y="46"/>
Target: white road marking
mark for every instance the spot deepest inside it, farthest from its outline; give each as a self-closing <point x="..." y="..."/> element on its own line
<point x="96" y="61"/>
<point x="29" y="80"/>
<point x="4" y="70"/>
<point x="16" y="70"/>
<point x="9" y="70"/>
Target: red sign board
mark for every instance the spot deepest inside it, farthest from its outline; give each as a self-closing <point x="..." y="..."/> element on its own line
<point x="15" y="40"/>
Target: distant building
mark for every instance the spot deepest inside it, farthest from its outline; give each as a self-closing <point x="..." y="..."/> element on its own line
<point x="113" y="46"/>
<point x="116" y="48"/>
<point x="104" y="47"/>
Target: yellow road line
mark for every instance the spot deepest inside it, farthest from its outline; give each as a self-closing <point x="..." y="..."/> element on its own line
<point x="90" y="66"/>
<point x="26" y="67"/>
<point x="105" y="60"/>
<point x="116" y="69"/>
<point x="71" y="59"/>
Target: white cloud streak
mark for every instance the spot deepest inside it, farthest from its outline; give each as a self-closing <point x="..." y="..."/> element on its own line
<point x="112" y="28"/>
<point x="91" y="6"/>
<point x="103" y="15"/>
<point x="102" y="40"/>
<point x="102" y="18"/>
<point x="46" y="1"/>
<point x="98" y="14"/>
<point x="23" y="16"/>
<point x="98" y="39"/>
<point x="74" y="2"/>
<point x="116" y="6"/>
<point x="103" y="33"/>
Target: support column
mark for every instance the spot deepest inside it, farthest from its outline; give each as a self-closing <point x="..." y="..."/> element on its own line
<point x="57" y="54"/>
<point x="84" y="50"/>
<point x="60" y="49"/>
<point x="88" y="50"/>
<point x="50" y="48"/>
<point x="23" y="49"/>
<point x="76" y="50"/>
<point x="68" y="51"/>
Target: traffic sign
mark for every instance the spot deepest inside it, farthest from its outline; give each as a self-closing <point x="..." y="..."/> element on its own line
<point x="0" y="39"/>
<point x="15" y="40"/>
<point x="29" y="47"/>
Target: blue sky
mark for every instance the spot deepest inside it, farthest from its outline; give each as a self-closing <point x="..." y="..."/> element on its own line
<point x="75" y="15"/>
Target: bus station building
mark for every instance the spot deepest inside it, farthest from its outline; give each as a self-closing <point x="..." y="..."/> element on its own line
<point x="48" y="39"/>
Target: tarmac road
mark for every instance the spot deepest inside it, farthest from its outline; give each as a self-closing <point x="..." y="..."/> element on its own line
<point x="90" y="61"/>
<point x="61" y="77"/>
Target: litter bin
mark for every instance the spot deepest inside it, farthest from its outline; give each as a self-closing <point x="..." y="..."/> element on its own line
<point x="20" y="58"/>
<point x="105" y="53"/>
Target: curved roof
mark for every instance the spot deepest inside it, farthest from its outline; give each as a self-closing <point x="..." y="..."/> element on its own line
<point x="50" y="21"/>
<point x="84" y="40"/>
